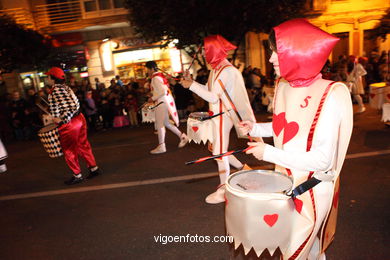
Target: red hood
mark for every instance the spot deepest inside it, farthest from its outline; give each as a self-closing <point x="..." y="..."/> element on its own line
<point x="302" y="50"/>
<point x="216" y="49"/>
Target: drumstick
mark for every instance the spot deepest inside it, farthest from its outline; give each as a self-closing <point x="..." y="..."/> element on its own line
<point x="193" y="58"/>
<point x="153" y="107"/>
<point x="208" y="158"/>
<point x="44" y="101"/>
<point x="210" y="117"/>
<point x="43" y="109"/>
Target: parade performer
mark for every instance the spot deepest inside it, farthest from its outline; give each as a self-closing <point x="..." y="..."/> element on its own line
<point x="64" y="108"/>
<point x="161" y="93"/>
<point x="311" y="127"/>
<point x="226" y="93"/>
<point x="355" y="73"/>
<point x="3" y="156"/>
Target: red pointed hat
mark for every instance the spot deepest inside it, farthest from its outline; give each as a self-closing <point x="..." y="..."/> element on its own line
<point x="216" y="49"/>
<point x="302" y="50"/>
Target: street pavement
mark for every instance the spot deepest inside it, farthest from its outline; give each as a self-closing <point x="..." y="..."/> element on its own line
<point x="142" y="197"/>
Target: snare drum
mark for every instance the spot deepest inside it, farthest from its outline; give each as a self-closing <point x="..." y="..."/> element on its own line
<point x="198" y="130"/>
<point x="258" y="212"/>
<point x="50" y="139"/>
<point x="148" y="115"/>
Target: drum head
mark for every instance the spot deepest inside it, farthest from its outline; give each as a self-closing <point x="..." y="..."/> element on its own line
<point x="47" y="128"/>
<point x="199" y="115"/>
<point x="260" y="181"/>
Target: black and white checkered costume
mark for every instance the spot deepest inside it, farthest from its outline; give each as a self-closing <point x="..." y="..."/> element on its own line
<point x="63" y="103"/>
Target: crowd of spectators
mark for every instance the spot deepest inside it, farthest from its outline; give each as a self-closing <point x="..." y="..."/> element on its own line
<point x="21" y="118"/>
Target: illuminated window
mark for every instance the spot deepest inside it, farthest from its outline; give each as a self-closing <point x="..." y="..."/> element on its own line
<point x="99" y="5"/>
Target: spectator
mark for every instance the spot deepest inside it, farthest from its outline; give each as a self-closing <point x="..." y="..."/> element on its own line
<point x="119" y="81"/>
<point x="131" y="108"/>
<point x="90" y="110"/>
<point x="17" y="109"/>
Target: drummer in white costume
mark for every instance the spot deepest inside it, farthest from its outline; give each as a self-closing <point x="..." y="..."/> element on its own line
<point x="3" y="156"/>
<point x="161" y="93"/>
<point x="223" y="76"/>
<point x="303" y="98"/>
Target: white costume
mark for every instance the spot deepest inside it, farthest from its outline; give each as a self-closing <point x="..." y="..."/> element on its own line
<point x="356" y="84"/>
<point x="3" y="156"/>
<point x="311" y="127"/>
<point x="161" y="93"/>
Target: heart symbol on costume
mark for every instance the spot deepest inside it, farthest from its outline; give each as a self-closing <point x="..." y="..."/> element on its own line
<point x="195" y="128"/>
<point x="175" y="114"/>
<point x="290" y="130"/>
<point x="298" y="205"/>
<point x="145" y="114"/>
<point x="271" y="219"/>
<point x="211" y="113"/>
<point x="372" y="95"/>
<point x="336" y="199"/>
<point x="278" y="123"/>
<point x="171" y="104"/>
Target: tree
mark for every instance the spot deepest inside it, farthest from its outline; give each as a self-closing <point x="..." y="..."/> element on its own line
<point x="191" y="20"/>
<point x="20" y="47"/>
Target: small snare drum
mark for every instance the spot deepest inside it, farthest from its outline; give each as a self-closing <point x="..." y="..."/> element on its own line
<point x="148" y="114"/>
<point x="258" y="212"/>
<point x="199" y="129"/>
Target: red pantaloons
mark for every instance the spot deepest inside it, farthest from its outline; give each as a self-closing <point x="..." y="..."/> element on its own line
<point x="74" y="142"/>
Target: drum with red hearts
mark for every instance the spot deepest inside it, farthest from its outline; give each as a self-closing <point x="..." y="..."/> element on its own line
<point x="258" y="212"/>
<point x="199" y="127"/>
<point x="148" y="114"/>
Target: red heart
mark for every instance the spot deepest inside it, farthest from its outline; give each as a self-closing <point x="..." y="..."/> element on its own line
<point x="290" y="130"/>
<point x="195" y="128"/>
<point x="298" y="205"/>
<point x="278" y="123"/>
<point x="335" y="199"/>
<point x="175" y="114"/>
<point x="145" y="114"/>
<point x="211" y="113"/>
<point x="372" y="95"/>
<point x="171" y="104"/>
<point x="271" y="219"/>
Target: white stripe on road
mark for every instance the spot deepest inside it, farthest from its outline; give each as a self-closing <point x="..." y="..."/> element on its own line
<point x="152" y="181"/>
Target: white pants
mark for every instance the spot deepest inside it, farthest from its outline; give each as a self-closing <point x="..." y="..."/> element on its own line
<point x="162" y="121"/>
<point x="221" y="144"/>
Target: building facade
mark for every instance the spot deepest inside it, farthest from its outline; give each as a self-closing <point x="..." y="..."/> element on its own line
<point x="353" y="21"/>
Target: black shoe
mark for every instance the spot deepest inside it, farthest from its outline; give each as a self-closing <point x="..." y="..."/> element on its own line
<point x="74" y="180"/>
<point x="93" y="174"/>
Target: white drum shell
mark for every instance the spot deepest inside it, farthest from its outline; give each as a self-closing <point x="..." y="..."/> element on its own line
<point x="199" y="131"/>
<point x="258" y="220"/>
<point x="148" y="115"/>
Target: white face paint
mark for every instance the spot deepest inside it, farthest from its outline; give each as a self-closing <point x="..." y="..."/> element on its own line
<point x="275" y="62"/>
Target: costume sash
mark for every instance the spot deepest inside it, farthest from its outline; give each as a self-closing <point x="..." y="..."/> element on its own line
<point x="168" y="98"/>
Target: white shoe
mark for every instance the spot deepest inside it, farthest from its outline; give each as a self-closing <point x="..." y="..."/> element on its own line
<point x="183" y="140"/>
<point x="216" y="197"/>
<point x="361" y="110"/>
<point x="159" y="149"/>
<point x="3" y="168"/>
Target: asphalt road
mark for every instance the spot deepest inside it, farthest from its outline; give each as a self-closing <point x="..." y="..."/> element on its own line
<point x="141" y="197"/>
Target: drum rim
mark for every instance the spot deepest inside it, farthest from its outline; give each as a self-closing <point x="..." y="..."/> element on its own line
<point x="203" y="114"/>
<point x="241" y="192"/>
<point x="50" y="126"/>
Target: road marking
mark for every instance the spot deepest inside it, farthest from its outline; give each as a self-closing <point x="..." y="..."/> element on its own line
<point x="152" y="181"/>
